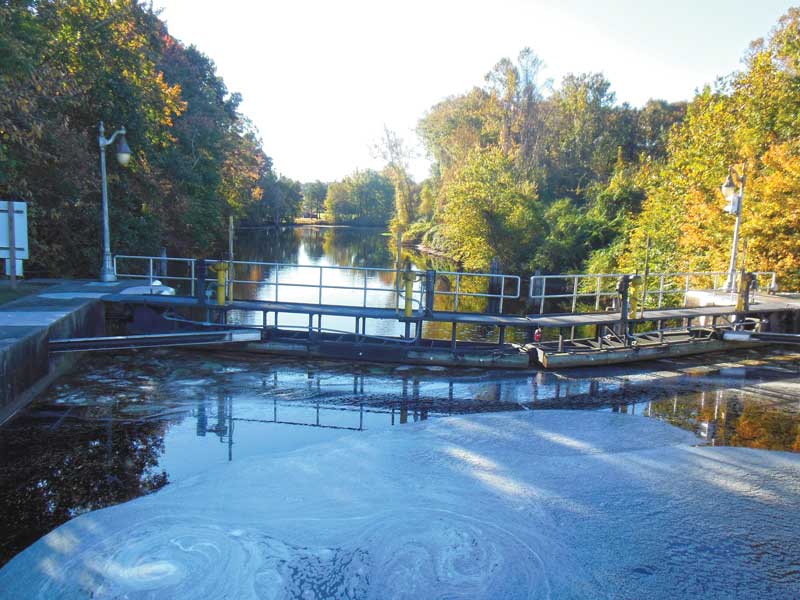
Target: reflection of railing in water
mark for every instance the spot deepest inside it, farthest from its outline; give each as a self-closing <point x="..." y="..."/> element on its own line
<point x="712" y="414"/>
<point x="224" y="425"/>
<point x="317" y="409"/>
<point x="224" y="420"/>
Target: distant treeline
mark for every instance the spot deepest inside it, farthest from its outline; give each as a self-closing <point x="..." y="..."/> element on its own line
<point x="64" y="67"/>
<point x="564" y="178"/>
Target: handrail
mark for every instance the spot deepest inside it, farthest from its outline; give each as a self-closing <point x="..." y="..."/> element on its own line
<point x="497" y="277"/>
<point x="275" y="267"/>
<point x="500" y="287"/>
<point x="667" y="285"/>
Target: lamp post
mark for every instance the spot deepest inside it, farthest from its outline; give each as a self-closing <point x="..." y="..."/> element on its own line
<point x="734" y="207"/>
<point x="107" y="272"/>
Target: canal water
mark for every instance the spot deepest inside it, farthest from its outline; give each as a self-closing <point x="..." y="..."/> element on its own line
<point x="357" y="267"/>
<point x="124" y="425"/>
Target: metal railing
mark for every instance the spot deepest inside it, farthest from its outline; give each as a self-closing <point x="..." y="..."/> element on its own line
<point x="361" y="285"/>
<point x="154" y="268"/>
<point x="479" y="281"/>
<point x="658" y="290"/>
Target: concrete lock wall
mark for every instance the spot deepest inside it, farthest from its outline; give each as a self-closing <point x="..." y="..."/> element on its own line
<point x="26" y="366"/>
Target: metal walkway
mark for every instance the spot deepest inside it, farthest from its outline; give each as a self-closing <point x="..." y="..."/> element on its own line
<point x="678" y="309"/>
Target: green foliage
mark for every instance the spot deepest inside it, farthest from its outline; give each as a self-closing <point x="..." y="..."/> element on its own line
<point x="281" y="201"/>
<point x="415" y="232"/>
<point x="314" y="194"/>
<point x="393" y="150"/>
<point x="363" y="198"/>
<point x="751" y="120"/>
<point x="575" y="146"/>
<point x="65" y="66"/>
<point x="489" y="213"/>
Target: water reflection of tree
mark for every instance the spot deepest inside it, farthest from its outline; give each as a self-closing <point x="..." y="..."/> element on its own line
<point x="357" y="247"/>
<point x="85" y="464"/>
<point x="269" y="244"/>
<point x="313" y="240"/>
<point x="764" y="427"/>
<point x="730" y="419"/>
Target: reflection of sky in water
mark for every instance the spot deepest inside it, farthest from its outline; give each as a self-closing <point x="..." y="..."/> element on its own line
<point x="342" y="249"/>
<point x="111" y="430"/>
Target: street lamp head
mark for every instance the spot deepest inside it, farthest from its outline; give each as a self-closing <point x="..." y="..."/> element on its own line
<point x="123" y="150"/>
<point x="729" y="189"/>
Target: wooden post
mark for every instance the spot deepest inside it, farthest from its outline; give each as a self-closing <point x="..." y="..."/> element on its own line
<point x="163" y="263"/>
<point x="430" y="290"/>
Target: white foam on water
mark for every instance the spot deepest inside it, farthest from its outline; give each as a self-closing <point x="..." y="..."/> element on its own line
<point x="537" y="504"/>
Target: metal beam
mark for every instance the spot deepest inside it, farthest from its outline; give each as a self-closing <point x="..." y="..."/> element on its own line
<point x="159" y="340"/>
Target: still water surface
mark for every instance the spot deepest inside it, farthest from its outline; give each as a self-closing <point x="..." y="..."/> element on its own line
<point x="340" y="251"/>
<point x="125" y="425"/>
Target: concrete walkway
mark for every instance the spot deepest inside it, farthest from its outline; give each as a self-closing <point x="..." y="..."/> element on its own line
<point x="66" y="309"/>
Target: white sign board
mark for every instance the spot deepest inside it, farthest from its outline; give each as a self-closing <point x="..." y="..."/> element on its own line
<point x="20" y="229"/>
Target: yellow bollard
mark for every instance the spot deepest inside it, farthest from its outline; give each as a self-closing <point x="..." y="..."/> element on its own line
<point x="745" y="282"/>
<point x="221" y="269"/>
<point x="408" y="278"/>
<point x="634" y="291"/>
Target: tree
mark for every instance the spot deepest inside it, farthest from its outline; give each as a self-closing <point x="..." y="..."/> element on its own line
<point x="280" y="201"/>
<point x="314" y="197"/>
<point x="751" y="119"/>
<point x="363" y="198"/>
<point x="488" y="213"/>
<point x="392" y="149"/>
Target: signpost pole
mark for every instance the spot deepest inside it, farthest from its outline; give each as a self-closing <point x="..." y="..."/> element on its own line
<point x="12" y="246"/>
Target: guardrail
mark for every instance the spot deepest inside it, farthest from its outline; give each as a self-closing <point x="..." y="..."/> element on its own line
<point x="662" y="288"/>
<point x="364" y="286"/>
<point x="158" y="267"/>
<point x="361" y="281"/>
<point x="478" y="281"/>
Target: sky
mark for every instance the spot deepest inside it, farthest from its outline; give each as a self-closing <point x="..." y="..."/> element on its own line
<point x="321" y="79"/>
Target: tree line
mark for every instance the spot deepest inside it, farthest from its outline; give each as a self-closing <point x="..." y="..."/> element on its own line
<point x="564" y="178"/>
<point x="65" y="66"/>
<point x="530" y="173"/>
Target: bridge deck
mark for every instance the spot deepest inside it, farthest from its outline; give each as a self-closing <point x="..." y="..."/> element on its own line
<point x="765" y="304"/>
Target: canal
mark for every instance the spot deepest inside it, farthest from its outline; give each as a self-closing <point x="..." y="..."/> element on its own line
<point x="125" y="425"/>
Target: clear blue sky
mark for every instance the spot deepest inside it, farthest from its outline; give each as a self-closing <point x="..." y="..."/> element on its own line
<point x="320" y="78"/>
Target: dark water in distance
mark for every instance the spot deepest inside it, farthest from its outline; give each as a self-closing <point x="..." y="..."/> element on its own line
<point x="123" y="425"/>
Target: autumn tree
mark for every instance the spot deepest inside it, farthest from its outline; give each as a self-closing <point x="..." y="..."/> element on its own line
<point x="489" y="213"/>
<point x="394" y="151"/>
<point x="749" y="119"/>
<point x="362" y="198"/>
<point x="64" y="67"/>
